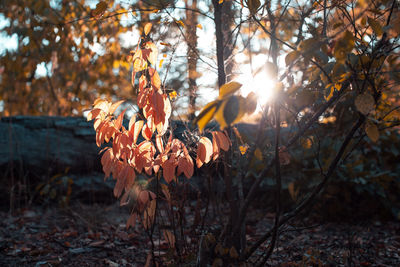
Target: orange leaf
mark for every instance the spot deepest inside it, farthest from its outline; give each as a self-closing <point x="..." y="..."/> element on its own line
<point x="169" y="169"/>
<point x="135" y="131"/>
<point x="118" y="121"/>
<point x="115" y="106"/>
<point x="159" y="143"/>
<point x="147" y="28"/>
<point x="155" y="78"/>
<point x="146" y="132"/>
<point x="204" y="151"/>
<point x="215" y="146"/>
<point x="222" y="140"/>
<point x="93" y="114"/>
<point x="132" y="122"/>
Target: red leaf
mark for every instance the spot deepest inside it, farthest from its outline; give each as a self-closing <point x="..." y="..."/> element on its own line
<point x="132" y="122"/>
<point x="169" y="169"/>
<point x="186" y="166"/>
<point x="146" y="132"/>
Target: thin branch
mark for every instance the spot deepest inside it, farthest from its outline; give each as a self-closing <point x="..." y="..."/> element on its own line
<point x="316" y="191"/>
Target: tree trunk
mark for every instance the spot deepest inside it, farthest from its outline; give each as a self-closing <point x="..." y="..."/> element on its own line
<point x="191" y="40"/>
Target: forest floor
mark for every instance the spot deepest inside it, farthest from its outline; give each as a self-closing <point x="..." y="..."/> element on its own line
<point x="95" y="235"/>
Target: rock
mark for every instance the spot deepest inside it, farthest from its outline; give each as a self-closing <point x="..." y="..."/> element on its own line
<point x="47" y="145"/>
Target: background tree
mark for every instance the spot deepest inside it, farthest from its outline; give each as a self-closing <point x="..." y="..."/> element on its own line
<point x="335" y="69"/>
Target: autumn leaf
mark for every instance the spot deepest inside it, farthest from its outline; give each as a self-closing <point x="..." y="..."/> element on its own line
<point x="253" y="6"/>
<point x="364" y="103"/>
<point x="372" y="131"/>
<point x="206" y="114"/>
<point x="228" y="89"/>
<point x="291" y="57"/>
<point x="147" y="28"/>
<point x="169" y="169"/>
<point x="243" y="149"/>
<point x="376" y="27"/>
<point x="100" y="9"/>
<point x="204" y="151"/>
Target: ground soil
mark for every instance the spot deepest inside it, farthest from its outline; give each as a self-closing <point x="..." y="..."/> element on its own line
<point x="95" y="235"/>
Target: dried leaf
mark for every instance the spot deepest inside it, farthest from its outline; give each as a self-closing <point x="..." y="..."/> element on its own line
<point x="253" y="6"/>
<point x="372" y="131"/>
<point x="364" y="103"/>
<point x="376" y="27"/>
<point x="291" y="57"/>
<point x="100" y="8"/>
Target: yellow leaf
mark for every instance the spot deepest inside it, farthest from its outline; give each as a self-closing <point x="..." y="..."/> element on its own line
<point x="147" y="28"/>
<point x="376" y="27"/>
<point x="228" y="89"/>
<point x="372" y="131"/>
<point x="219" y="115"/>
<point x="331" y="90"/>
<point x="161" y="62"/>
<point x="199" y="26"/>
<point x="243" y="149"/>
<point x="206" y="115"/>
<point x="364" y="103"/>
<point x="180" y="22"/>
<point x="220" y="1"/>
<point x="172" y="95"/>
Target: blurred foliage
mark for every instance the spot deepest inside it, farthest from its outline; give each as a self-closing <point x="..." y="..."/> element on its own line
<point x="81" y="53"/>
